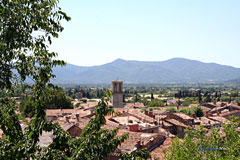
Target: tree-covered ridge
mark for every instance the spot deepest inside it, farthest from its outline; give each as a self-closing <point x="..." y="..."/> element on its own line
<point x="177" y="70"/>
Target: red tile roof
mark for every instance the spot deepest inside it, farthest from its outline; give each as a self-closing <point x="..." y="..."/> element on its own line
<point x="230" y="113"/>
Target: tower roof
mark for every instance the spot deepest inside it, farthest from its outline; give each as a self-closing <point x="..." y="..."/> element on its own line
<point x="117" y="81"/>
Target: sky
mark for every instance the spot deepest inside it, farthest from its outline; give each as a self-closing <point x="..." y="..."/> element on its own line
<point x="102" y="31"/>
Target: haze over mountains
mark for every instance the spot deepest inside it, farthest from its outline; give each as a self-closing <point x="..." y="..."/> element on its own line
<point x="176" y="70"/>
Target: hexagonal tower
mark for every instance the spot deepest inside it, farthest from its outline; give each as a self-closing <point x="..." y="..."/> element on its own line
<point x="117" y="93"/>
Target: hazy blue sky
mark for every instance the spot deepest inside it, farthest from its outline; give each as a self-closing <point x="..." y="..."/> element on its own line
<point x="151" y="30"/>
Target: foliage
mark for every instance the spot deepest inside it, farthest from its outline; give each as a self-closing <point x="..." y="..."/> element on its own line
<point x="78" y="92"/>
<point x="144" y="100"/>
<point x="188" y="111"/>
<point x="190" y="100"/>
<point x="136" y="155"/>
<point x="83" y="100"/>
<point x="27" y="107"/>
<point x="198" y="111"/>
<point x="59" y="100"/>
<point x="117" y="113"/>
<point x="197" y="144"/>
<point x="155" y="103"/>
<point x="92" y="100"/>
<point x="26" y="30"/>
<point x="171" y="109"/>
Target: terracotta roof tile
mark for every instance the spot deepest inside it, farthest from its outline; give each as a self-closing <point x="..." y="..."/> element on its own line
<point x="230" y="113"/>
<point x="183" y="116"/>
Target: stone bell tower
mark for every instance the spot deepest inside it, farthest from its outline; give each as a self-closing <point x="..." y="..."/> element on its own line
<point x="117" y="93"/>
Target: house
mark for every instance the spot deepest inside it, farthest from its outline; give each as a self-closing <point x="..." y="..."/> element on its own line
<point x="177" y="127"/>
<point x="218" y="109"/>
<point x="141" y="116"/>
<point x="47" y="137"/>
<point x="89" y="105"/>
<point x="158" y="153"/>
<point x="219" y="119"/>
<point x="227" y="115"/>
<point x="125" y="120"/>
<point x="233" y="107"/>
<point x="208" y="123"/>
<point x="209" y="105"/>
<point x="55" y="114"/>
<point x="111" y="125"/>
<point x="137" y="141"/>
<point x="171" y="102"/>
<point x="72" y="129"/>
<point x="134" y="105"/>
<point x="143" y="128"/>
<point x="82" y="122"/>
<point x="185" y="119"/>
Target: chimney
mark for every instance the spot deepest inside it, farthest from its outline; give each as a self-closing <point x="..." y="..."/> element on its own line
<point x="146" y="112"/>
<point x="150" y="114"/>
<point x="138" y="143"/>
<point x="67" y="119"/>
<point x="206" y="114"/>
<point x="169" y="115"/>
<point x="133" y="128"/>
<point x="193" y="116"/>
<point x="77" y="117"/>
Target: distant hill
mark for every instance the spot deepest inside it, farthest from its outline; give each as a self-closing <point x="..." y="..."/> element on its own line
<point x="234" y="81"/>
<point x="176" y="70"/>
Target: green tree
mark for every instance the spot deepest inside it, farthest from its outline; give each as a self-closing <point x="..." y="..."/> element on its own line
<point x="195" y="110"/>
<point x="152" y="97"/>
<point x="59" y="100"/>
<point x="171" y="109"/>
<point x="155" y="103"/>
<point x="27" y="107"/>
<point x="216" y="145"/>
<point x="136" y="97"/>
<point x="26" y="30"/>
<point x="198" y="111"/>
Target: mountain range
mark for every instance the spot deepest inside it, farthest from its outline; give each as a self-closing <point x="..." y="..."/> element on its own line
<point x="176" y="70"/>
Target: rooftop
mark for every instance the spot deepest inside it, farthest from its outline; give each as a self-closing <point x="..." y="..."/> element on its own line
<point x="134" y="137"/>
<point x="175" y="122"/>
<point x="219" y="119"/>
<point x="183" y="116"/>
<point x="230" y="113"/>
<point x="137" y="113"/>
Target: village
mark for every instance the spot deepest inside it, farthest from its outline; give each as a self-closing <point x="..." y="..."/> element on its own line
<point x="151" y="129"/>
